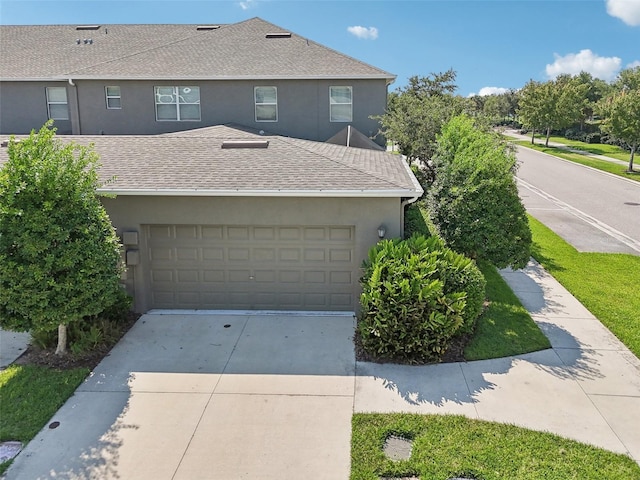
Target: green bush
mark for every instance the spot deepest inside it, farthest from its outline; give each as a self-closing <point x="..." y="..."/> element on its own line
<point x="417" y="295"/>
<point x="474" y="201"/>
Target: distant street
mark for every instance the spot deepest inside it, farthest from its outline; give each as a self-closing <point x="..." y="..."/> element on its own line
<point x="592" y="210"/>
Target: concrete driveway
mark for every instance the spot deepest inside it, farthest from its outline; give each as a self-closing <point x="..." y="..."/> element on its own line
<point x="209" y="397"/>
<point x="271" y="396"/>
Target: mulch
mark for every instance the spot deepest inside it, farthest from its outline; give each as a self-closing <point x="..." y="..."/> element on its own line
<point x="35" y="355"/>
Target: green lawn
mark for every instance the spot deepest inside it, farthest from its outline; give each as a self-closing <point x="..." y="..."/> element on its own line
<point x="505" y="328"/>
<point x="607" y="284"/>
<point x="446" y="446"/>
<point x="612" y="151"/>
<point x="605" y="166"/>
<point x="29" y="396"/>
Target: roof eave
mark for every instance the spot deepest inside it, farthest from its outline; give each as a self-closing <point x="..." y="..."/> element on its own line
<point x="177" y="192"/>
<point x="389" y="78"/>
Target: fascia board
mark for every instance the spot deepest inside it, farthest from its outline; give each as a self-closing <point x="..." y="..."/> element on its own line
<point x="158" y="192"/>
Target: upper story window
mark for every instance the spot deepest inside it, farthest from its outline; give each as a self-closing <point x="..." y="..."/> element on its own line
<point x="266" y="99"/>
<point x="57" y="108"/>
<point x="177" y="103"/>
<point x="112" y="94"/>
<point x="340" y="104"/>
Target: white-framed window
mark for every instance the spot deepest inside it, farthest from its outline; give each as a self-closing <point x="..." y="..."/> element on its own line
<point x="266" y="99"/>
<point x="113" y="98"/>
<point x="340" y="104"/>
<point x="57" y="107"/>
<point x="180" y="104"/>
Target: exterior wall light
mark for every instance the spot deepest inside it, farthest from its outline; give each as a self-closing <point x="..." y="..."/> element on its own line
<point x="382" y="230"/>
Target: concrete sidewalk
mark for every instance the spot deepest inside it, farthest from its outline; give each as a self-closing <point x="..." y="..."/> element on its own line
<point x="271" y="396"/>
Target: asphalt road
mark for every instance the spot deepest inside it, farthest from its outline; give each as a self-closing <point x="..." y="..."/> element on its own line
<point x="592" y="210"/>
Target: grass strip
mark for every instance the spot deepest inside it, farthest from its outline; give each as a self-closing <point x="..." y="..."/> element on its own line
<point x="602" y="165"/>
<point x="605" y="283"/>
<point x="505" y="328"/>
<point x="29" y="396"/>
<point x="448" y="446"/>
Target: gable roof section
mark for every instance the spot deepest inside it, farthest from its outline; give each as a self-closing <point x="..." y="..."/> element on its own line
<point x="193" y="163"/>
<point x="155" y="52"/>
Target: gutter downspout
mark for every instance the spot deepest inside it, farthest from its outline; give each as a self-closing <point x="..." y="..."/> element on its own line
<point x="409" y="200"/>
<point x="76" y="128"/>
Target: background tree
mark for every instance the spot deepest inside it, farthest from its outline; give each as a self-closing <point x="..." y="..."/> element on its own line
<point x="59" y="255"/>
<point x="628" y="79"/>
<point x="474" y="200"/>
<point x="552" y="105"/>
<point x="621" y="118"/>
<point x="533" y="107"/>
<point x="594" y="90"/>
<point x="416" y="113"/>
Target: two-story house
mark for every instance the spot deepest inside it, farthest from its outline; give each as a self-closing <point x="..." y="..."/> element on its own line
<point x="150" y="79"/>
<point x="231" y="152"/>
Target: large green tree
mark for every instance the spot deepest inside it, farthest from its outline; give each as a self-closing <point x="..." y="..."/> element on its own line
<point x="59" y="255"/>
<point x="621" y="118"/>
<point x="416" y="113"/>
<point x="474" y="200"/>
<point x="552" y="105"/>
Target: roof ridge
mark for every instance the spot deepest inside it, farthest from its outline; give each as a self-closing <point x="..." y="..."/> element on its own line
<point x="150" y="49"/>
<point x="344" y="152"/>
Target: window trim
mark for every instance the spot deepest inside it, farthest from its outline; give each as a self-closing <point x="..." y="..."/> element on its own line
<point x="256" y="104"/>
<point x="109" y="97"/>
<point x="51" y="102"/>
<point x="176" y="95"/>
<point x="331" y="104"/>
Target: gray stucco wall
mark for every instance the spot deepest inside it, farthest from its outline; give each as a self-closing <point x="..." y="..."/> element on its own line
<point x="130" y="213"/>
<point x="23" y="107"/>
<point x="303" y="107"/>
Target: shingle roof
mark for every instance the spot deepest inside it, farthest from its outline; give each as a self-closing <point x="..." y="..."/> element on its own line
<point x="194" y="163"/>
<point x="233" y="51"/>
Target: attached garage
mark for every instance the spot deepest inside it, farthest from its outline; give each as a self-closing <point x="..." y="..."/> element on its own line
<point x="228" y="218"/>
<point x="251" y="267"/>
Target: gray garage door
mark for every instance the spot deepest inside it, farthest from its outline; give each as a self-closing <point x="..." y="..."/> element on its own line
<point x="251" y="267"/>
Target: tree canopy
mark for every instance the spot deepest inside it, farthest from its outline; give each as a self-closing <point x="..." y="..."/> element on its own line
<point x="416" y="113"/>
<point x="474" y="201"/>
<point x="552" y="105"/>
<point x="59" y="255"/>
<point x="621" y="112"/>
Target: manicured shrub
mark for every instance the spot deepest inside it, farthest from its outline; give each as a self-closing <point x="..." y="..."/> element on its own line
<point x="474" y="201"/>
<point x="594" y="137"/>
<point x="417" y="295"/>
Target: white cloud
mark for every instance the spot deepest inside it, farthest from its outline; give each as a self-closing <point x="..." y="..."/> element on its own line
<point x="604" y="68"/>
<point x="247" y="4"/>
<point x="365" y="33"/>
<point x="626" y="10"/>
<point x="486" y="91"/>
<point x="634" y="64"/>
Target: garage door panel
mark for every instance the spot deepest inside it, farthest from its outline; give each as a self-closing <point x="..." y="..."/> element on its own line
<point x="212" y="232"/>
<point x="187" y="253"/>
<point x="263" y="255"/>
<point x="290" y="254"/>
<point x="341" y="233"/>
<point x="251" y="267"/>
<point x="186" y="232"/>
<point x="161" y="253"/>
<point x="314" y="255"/>
<point x="212" y="254"/>
<point x="311" y="276"/>
<point x="340" y="256"/>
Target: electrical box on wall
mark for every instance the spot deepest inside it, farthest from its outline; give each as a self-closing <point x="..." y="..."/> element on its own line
<point x="130" y="238"/>
<point x="133" y="257"/>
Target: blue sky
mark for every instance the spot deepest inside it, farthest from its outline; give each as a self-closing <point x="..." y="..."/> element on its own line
<point x="491" y="44"/>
